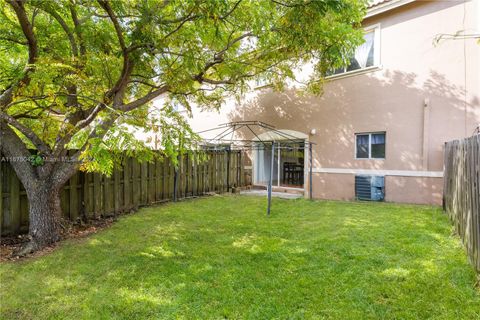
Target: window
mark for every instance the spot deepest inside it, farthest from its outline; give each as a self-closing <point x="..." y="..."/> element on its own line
<point x="370" y="145"/>
<point x="179" y="108"/>
<point x="260" y="83"/>
<point x="367" y="55"/>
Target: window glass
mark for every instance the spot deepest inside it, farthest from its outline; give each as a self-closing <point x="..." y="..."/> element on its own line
<point x="362" y="53"/>
<point x="378" y="145"/>
<point x="371" y="56"/>
<point x="353" y="65"/>
<point x="362" y="146"/>
<point x="363" y="57"/>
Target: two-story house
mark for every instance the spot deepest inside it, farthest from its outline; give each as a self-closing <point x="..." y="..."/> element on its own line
<point x="413" y="85"/>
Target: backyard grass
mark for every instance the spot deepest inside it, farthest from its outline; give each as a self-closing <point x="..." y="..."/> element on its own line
<point x="222" y="258"/>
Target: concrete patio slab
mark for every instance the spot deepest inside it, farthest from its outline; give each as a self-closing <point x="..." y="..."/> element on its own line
<point x="263" y="193"/>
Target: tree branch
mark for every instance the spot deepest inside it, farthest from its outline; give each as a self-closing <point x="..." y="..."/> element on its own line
<point x="7" y="95"/>
<point x="118" y="90"/>
<point x="17" y="41"/>
<point x="141" y="101"/>
<point x="61" y="142"/>
<point x="302" y="3"/>
<point x="211" y="81"/>
<point x="63" y="24"/>
<point x="76" y="23"/>
<point x="144" y="83"/>
<point x="37" y="142"/>
<point x="27" y="114"/>
<point x="12" y="147"/>
<point x="231" y="10"/>
<point x="27" y="29"/>
<point x="232" y="42"/>
<point x="218" y="57"/>
<point x="185" y="20"/>
<point x="106" y="6"/>
<point x="65" y="170"/>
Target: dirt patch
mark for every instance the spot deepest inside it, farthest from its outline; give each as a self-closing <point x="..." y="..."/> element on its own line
<point x="9" y="245"/>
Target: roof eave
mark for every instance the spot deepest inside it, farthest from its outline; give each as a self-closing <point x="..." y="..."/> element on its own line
<point x="387" y="6"/>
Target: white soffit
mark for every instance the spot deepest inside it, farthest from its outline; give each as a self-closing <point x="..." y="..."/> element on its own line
<point x="379" y="6"/>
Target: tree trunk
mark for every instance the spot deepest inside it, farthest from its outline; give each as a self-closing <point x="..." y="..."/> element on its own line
<point x="45" y="217"/>
<point x="42" y="184"/>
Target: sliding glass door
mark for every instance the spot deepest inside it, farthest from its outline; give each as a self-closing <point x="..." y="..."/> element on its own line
<point x="263" y="164"/>
<point x="288" y="164"/>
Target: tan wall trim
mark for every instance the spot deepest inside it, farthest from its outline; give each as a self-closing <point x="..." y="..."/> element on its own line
<point x="402" y="173"/>
<point x="353" y="73"/>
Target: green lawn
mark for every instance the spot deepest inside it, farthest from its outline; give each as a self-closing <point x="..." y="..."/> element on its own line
<point x="222" y="258"/>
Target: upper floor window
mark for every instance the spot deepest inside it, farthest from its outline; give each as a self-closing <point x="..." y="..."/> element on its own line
<point x="366" y="55"/>
<point x="178" y="108"/>
<point x="370" y="145"/>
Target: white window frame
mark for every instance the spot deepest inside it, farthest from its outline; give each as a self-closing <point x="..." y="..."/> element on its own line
<point x="376" y="54"/>
<point x="370" y="144"/>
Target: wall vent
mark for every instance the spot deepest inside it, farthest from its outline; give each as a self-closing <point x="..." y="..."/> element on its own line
<point x="370" y="188"/>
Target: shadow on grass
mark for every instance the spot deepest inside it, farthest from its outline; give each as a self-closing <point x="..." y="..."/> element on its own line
<point x="221" y="257"/>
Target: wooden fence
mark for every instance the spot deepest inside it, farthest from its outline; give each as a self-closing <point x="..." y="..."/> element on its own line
<point x="461" y="192"/>
<point x="90" y="195"/>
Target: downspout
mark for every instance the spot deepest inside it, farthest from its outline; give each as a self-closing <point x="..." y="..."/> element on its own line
<point x="426" y="131"/>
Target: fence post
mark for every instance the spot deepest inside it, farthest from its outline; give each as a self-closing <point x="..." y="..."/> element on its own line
<point x="228" y="169"/>
<point x="127" y="187"/>
<point x="175" y="179"/>
<point x="116" y="191"/>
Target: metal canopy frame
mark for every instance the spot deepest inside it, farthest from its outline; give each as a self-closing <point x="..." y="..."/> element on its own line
<point x="225" y="141"/>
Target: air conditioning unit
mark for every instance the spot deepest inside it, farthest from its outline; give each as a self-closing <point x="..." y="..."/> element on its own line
<point x="370" y="188"/>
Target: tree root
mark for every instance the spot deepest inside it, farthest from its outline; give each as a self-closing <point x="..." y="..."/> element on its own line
<point x="29" y="247"/>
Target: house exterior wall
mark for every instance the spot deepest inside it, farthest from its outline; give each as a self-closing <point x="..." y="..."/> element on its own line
<point x="421" y="190"/>
<point x="421" y="95"/>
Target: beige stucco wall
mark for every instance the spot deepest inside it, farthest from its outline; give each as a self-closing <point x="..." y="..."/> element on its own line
<point x="419" y="190"/>
<point x="333" y="186"/>
<point x="414" y="190"/>
<point x="413" y="70"/>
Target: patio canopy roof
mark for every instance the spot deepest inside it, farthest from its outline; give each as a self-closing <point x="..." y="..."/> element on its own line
<point x="264" y="136"/>
<point x="231" y="136"/>
<point x="281" y="135"/>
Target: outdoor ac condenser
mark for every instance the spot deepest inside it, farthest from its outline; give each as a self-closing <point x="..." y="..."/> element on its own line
<point x="369" y="187"/>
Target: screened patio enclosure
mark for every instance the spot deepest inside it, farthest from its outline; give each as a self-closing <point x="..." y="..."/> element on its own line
<point x="288" y="164"/>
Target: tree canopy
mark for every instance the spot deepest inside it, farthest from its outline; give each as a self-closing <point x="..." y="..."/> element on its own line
<point x="74" y="72"/>
<point x="78" y="74"/>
